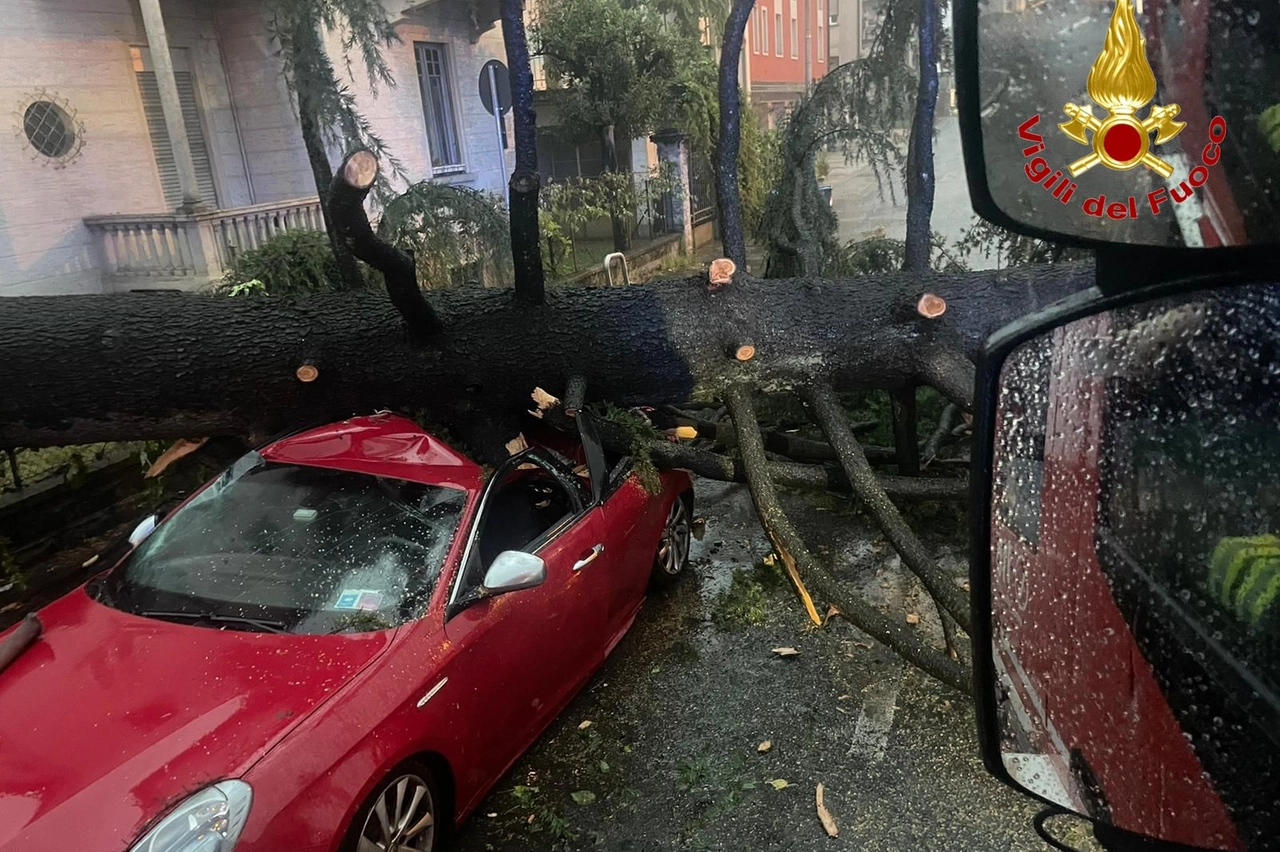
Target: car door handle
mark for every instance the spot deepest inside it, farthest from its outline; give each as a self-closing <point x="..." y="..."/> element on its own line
<point x="587" y="560"/>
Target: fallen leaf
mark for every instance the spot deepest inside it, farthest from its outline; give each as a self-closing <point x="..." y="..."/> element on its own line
<point x="828" y="821"/>
<point x="785" y="652"/>
<point x="843" y="697"/>
<point x="912" y="618"/>
<point x="604" y="767"/>
<point x="769" y="560"/>
<point x="583" y="797"/>
<point x="764" y="746"/>
<point x="779" y="784"/>
<point x="11" y="607"/>
<point x="965" y="587"/>
<point x="181" y="447"/>
<point x="586" y="723"/>
<point x="698" y="528"/>
<point x="493" y="815"/>
<point x="88" y="562"/>
<point x="532" y="817"/>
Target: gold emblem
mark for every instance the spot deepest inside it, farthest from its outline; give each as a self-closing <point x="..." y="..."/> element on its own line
<point x="1122" y="82"/>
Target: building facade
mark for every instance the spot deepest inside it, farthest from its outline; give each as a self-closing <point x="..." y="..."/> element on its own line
<point x="787" y="48"/>
<point x="126" y="171"/>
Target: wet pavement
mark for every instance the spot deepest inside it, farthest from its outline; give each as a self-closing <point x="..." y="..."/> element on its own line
<point x="671" y="759"/>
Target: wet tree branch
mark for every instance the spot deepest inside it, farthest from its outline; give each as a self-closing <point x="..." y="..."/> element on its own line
<point x="525" y="182"/>
<point x="807" y="570"/>
<point x="351" y="184"/>
<point x="826" y="410"/>
<point x="727" y="144"/>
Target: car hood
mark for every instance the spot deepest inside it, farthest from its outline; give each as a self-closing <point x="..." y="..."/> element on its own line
<point x="110" y="718"/>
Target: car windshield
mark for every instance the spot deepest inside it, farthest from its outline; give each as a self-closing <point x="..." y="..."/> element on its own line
<point x="294" y="549"/>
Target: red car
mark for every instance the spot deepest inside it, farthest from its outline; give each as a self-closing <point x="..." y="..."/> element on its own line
<point x="340" y="643"/>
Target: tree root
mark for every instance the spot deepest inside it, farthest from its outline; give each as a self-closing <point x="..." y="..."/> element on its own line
<point x="825" y="407"/>
<point x="808" y="570"/>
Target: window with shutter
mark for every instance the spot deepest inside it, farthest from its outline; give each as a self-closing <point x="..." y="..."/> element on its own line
<point x="150" y="90"/>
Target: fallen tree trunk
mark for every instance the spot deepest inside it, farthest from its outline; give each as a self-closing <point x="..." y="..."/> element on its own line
<point x="75" y="369"/>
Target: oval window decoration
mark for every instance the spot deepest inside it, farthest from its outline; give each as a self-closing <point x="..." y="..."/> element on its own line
<point x="51" y="129"/>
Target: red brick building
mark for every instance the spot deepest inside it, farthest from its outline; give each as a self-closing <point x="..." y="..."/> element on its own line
<point x="787" y="47"/>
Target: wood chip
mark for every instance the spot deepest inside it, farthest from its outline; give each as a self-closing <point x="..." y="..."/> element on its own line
<point x="764" y="746"/>
<point x="10" y="607"/>
<point x="828" y="821"/>
<point x="518" y="444"/>
<point x="90" y="561"/>
<point x="785" y="652"/>
<point x="912" y="618"/>
<point x="586" y="723"/>
<point x="181" y="447"/>
<point x="543" y="400"/>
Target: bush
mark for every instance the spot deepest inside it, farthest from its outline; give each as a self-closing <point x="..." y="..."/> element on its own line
<point x="289" y="264"/>
<point x="455" y="234"/>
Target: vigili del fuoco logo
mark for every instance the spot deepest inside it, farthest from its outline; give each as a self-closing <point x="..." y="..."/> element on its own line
<point x="1122" y="83"/>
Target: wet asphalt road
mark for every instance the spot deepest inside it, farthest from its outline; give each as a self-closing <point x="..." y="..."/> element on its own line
<point x="670" y="761"/>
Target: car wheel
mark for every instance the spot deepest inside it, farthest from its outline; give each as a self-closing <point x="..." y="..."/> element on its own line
<point x="673" y="547"/>
<point x="400" y="815"/>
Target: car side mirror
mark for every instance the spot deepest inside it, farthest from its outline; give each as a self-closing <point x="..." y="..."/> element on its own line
<point x="512" y="571"/>
<point x="143" y="530"/>
<point x="1126" y="562"/>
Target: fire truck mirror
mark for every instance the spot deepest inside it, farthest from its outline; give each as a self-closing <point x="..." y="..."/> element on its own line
<point x="1134" y="575"/>
<point x="1149" y="122"/>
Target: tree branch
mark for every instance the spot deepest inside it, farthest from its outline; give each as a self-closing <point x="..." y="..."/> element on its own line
<point x="731" y="228"/>
<point x="920" y="174"/>
<point x="350" y="186"/>
<point x="796" y="556"/>
<point x="526" y="251"/>
<point x="951" y="373"/>
<point x="826" y="410"/>
<point x="946" y="423"/>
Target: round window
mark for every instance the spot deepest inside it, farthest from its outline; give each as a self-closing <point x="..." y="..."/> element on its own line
<point x="49" y="129"/>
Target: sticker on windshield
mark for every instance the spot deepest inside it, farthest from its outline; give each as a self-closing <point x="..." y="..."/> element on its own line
<point x="1122" y="83"/>
<point x="367" y="600"/>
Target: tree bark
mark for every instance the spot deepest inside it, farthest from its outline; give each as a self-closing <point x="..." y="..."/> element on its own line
<point x="920" y="166"/>
<point x="526" y="250"/>
<point x="727" y="143"/>
<point x="77" y="369"/>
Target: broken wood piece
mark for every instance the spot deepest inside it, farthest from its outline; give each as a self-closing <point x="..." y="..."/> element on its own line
<point x="828" y="821"/>
<point x="307" y="373"/>
<point x="181" y="447"/>
<point x="721" y="272"/>
<point x="518" y="444"/>
<point x="543" y="400"/>
<point x="931" y="306"/>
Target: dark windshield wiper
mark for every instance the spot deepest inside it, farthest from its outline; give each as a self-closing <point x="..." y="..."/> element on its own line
<point x="265" y="625"/>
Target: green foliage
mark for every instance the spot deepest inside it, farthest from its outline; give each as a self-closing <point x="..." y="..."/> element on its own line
<point x="746" y="601"/>
<point x="620" y="65"/>
<point x="324" y="102"/>
<point x="884" y="254"/>
<point x="856" y="108"/>
<point x="447" y="229"/>
<point x="295" y="263"/>
<point x="643" y="435"/>
<point x="546" y="818"/>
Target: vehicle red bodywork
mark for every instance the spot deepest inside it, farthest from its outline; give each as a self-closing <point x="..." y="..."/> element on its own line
<point x="111" y="718"/>
<point x="1075" y="674"/>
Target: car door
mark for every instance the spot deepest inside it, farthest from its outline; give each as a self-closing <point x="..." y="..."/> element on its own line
<point x="630" y="521"/>
<point x="518" y="657"/>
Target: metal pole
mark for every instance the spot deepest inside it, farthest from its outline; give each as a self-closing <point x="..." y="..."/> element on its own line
<point x="497" y="125"/>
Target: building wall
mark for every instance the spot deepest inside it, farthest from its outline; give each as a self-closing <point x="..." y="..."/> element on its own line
<point x="397" y="115"/>
<point x="767" y="66"/>
<point x="78" y="52"/>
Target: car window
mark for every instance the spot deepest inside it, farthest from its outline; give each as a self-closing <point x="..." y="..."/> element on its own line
<point x="527" y="502"/>
<point x="311" y="549"/>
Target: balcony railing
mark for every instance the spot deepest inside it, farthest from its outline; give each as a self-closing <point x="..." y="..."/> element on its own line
<point x="188" y="250"/>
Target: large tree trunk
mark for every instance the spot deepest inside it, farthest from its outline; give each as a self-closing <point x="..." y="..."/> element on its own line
<point x="526" y="247"/>
<point x="93" y="368"/>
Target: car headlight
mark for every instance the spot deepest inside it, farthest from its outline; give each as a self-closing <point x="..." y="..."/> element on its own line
<point x="208" y="821"/>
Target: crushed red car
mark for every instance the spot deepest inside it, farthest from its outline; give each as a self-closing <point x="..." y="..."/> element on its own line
<point x="341" y="642"/>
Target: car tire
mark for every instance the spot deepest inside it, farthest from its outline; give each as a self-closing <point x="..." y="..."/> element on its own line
<point x="672" y="557"/>
<point x="404" y="809"/>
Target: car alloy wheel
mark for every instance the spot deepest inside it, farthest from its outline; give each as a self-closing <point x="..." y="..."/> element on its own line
<point x="673" y="548"/>
<point x="402" y="818"/>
